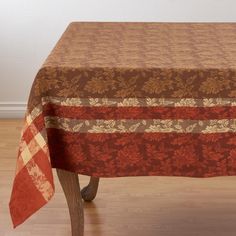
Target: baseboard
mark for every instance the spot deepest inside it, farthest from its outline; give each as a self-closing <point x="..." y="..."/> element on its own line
<point x="12" y="110"/>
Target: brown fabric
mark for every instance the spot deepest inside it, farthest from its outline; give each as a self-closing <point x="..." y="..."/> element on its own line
<point x="118" y="60"/>
<point x="146" y="45"/>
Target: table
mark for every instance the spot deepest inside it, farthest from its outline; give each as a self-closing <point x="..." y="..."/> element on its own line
<point x="127" y="99"/>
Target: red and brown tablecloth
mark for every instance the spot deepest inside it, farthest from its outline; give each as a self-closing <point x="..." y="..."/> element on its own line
<point x="129" y="99"/>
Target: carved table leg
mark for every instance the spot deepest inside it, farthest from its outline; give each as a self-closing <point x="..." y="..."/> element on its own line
<point x="70" y="184"/>
<point x="90" y="191"/>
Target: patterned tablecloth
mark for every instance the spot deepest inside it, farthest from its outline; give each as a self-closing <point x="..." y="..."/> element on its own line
<point x="129" y="99"/>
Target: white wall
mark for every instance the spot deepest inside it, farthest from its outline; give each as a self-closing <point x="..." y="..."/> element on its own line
<point x="30" y="28"/>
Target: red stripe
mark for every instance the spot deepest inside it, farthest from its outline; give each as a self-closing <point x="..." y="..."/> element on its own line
<point x="196" y="113"/>
<point x="25" y="198"/>
<point x="135" y="154"/>
<point x="41" y="159"/>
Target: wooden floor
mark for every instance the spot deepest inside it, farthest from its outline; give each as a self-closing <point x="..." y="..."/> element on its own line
<point x="138" y="206"/>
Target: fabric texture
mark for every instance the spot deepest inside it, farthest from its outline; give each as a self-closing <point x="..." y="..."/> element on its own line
<point x="129" y="99"/>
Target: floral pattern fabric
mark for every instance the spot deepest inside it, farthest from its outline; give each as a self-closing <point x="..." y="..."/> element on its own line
<point x="129" y="99"/>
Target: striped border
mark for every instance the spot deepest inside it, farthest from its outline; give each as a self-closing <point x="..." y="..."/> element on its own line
<point x="137" y="102"/>
<point x="141" y="126"/>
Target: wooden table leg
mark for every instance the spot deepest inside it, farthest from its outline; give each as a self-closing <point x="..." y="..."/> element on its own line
<point x="90" y="191"/>
<point x="70" y="184"/>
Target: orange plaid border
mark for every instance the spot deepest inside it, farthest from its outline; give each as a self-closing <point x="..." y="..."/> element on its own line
<point x="33" y="171"/>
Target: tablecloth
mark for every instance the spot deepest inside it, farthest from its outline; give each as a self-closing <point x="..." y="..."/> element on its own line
<point x="129" y="99"/>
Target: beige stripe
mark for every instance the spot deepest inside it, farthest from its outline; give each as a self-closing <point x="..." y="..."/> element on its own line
<point x="40" y="181"/>
<point x="30" y="117"/>
<point x="140" y="126"/>
<point x="136" y="102"/>
<point x="33" y="114"/>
